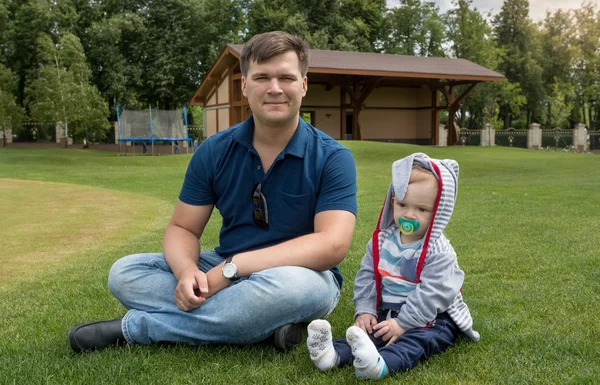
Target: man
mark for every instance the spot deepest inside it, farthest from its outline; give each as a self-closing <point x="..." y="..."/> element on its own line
<point x="287" y="195"/>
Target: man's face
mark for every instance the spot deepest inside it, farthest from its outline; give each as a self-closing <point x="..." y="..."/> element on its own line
<point x="275" y="89"/>
<point x="418" y="204"/>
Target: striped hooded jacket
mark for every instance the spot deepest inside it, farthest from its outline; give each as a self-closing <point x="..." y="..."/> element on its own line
<point x="438" y="277"/>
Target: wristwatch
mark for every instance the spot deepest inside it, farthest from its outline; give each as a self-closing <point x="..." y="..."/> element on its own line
<point x="230" y="270"/>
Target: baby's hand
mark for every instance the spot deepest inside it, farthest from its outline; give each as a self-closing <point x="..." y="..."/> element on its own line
<point x="390" y="330"/>
<point x="365" y="322"/>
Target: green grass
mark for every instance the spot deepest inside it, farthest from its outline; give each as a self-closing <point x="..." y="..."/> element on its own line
<point x="526" y="229"/>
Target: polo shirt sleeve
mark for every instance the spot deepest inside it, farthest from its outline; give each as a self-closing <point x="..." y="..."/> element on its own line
<point x="338" y="183"/>
<point x="197" y="189"/>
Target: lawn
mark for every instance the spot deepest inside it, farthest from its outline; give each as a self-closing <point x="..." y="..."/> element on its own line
<point x="526" y="228"/>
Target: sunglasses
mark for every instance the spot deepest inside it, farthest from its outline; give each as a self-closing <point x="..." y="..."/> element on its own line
<point x="260" y="219"/>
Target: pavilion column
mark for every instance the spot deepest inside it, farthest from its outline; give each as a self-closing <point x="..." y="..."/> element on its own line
<point x="452" y="134"/>
<point x="358" y="95"/>
<point x="435" y="117"/>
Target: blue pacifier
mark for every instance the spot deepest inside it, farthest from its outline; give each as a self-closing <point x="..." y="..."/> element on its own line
<point x="408" y="226"/>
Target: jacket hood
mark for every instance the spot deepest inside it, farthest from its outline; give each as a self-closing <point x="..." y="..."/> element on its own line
<point x="446" y="172"/>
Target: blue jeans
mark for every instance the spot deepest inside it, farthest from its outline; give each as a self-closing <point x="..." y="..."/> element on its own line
<point x="246" y="312"/>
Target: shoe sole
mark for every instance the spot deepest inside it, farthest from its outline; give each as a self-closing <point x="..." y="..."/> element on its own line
<point x="288" y="337"/>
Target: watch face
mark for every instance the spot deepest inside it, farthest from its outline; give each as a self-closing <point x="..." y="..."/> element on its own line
<point x="229" y="270"/>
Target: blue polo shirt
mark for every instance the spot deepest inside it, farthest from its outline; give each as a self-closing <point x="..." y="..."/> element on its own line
<point x="313" y="173"/>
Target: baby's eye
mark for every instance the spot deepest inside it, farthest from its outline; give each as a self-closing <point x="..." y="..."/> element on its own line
<point x="402" y="204"/>
<point x="422" y="210"/>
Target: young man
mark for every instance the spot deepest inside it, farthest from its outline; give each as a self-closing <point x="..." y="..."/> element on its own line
<point x="287" y="195"/>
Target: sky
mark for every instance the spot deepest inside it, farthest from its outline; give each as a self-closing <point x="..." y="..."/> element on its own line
<point x="537" y="8"/>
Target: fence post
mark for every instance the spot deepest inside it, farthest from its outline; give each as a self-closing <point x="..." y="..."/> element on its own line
<point x="580" y="137"/>
<point x="484" y="139"/>
<point x="534" y="136"/>
<point x="442" y="135"/>
<point x="488" y="136"/>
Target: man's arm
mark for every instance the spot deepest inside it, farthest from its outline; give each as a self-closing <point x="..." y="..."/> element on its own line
<point x="182" y="250"/>
<point x="320" y="251"/>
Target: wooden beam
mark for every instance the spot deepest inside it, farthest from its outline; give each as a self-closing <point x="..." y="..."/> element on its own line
<point x="358" y="94"/>
<point x="464" y="94"/>
<point x="435" y="116"/>
<point x="342" y="118"/>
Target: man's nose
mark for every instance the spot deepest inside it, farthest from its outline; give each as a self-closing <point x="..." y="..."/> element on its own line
<point x="274" y="87"/>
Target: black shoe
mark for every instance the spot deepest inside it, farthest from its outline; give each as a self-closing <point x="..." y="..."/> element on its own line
<point x="288" y="336"/>
<point x="96" y="335"/>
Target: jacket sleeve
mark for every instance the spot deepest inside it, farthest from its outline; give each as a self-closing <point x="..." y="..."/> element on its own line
<point x="365" y="290"/>
<point x="441" y="280"/>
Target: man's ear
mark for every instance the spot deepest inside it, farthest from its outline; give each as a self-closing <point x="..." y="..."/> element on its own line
<point x="304" y="86"/>
<point x="244" y="87"/>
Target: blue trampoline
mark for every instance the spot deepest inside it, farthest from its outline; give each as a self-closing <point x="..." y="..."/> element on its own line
<point x="152" y="126"/>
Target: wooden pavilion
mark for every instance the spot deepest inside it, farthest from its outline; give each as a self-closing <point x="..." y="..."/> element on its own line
<point x="355" y="95"/>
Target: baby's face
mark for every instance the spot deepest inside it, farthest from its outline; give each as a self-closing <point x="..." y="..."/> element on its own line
<point x="417" y="204"/>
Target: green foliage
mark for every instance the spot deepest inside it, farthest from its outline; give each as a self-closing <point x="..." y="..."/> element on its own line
<point x="559" y="108"/>
<point x="62" y="92"/>
<point x="158" y="52"/>
<point x="518" y="38"/>
<point x="349" y="25"/>
<point x="470" y="37"/>
<point x="414" y="28"/>
<point x="197" y="117"/>
<point x="11" y="114"/>
<point x="110" y="47"/>
<point x="587" y="64"/>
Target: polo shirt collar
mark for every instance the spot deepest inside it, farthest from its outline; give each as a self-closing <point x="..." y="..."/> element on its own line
<point x="296" y="146"/>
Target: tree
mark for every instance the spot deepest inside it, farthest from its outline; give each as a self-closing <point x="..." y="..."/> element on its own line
<point x="11" y="115"/>
<point x="61" y="91"/>
<point x="559" y="108"/>
<point x="415" y="28"/>
<point x="182" y="40"/>
<point x="558" y="36"/>
<point x="348" y="25"/>
<point x="27" y="21"/>
<point x="111" y="49"/>
<point x="587" y="65"/>
<point x="470" y="37"/>
<point x="518" y="38"/>
<point x="358" y="25"/>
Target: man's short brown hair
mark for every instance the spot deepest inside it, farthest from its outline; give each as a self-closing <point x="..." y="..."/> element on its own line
<point x="264" y="46"/>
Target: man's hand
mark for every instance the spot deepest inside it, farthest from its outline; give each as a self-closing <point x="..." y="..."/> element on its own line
<point x="389" y="329"/>
<point x="366" y="322"/>
<point x="192" y="282"/>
